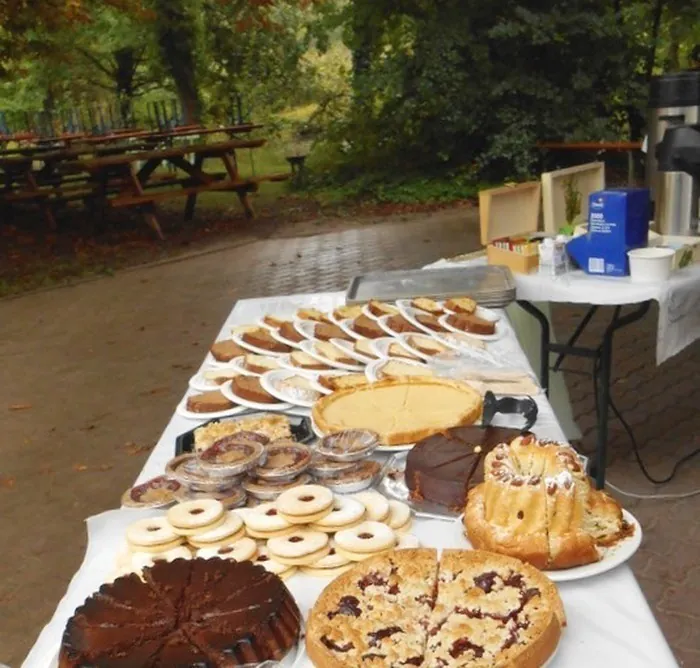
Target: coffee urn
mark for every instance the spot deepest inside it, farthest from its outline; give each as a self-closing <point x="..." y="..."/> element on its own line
<point x="674" y="102"/>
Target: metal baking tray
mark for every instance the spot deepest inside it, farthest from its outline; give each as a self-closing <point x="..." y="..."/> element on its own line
<point x="488" y="283"/>
<point x="299" y="426"/>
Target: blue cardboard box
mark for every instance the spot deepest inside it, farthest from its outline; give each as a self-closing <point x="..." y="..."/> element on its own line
<point x="618" y="220"/>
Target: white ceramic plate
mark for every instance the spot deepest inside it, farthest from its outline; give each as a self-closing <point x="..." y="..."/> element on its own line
<point x="373" y="368"/>
<point x="381" y="347"/>
<point x="613" y="556"/>
<point x="228" y="393"/>
<point x="199" y="383"/>
<point x="346" y="347"/>
<point x="309" y="348"/>
<point x="345" y="325"/>
<point x="270" y="383"/>
<point x="403" y="339"/>
<point x="254" y="349"/>
<point x="484" y="337"/>
<point x="182" y="411"/>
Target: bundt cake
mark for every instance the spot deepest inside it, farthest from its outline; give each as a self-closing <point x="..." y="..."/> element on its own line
<point x="536" y="503"/>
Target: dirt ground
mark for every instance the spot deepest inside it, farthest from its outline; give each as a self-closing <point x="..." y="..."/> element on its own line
<point x="91" y="374"/>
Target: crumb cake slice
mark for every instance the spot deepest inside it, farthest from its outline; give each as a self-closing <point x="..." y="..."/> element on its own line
<point x="375" y="614"/>
<point x="490" y="611"/>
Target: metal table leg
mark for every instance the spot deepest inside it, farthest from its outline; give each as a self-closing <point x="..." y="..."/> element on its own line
<point x="602" y="367"/>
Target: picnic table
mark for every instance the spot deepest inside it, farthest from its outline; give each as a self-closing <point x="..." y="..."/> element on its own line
<point x="134" y="173"/>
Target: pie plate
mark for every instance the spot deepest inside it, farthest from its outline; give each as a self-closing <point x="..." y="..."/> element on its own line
<point x="254" y="349"/>
<point x="381" y="448"/>
<point x="373" y="368"/>
<point x="228" y="393"/>
<point x="271" y="381"/>
<point x="346" y="347"/>
<point x="484" y="337"/>
<point x="182" y="411"/>
<point x="612" y="556"/>
<point x="309" y="347"/>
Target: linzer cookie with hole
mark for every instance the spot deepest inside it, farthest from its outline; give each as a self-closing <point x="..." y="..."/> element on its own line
<point x="261" y="338"/>
<point x="154" y="534"/>
<point x="365" y="540"/>
<point x="195" y="517"/>
<point x="300" y="548"/>
<point x="264" y="522"/>
<point x="305" y="504"/>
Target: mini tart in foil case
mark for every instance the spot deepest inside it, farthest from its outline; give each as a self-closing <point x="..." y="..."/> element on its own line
<point x="322" y="467"/>
<point x="232" y="497"/>
<point x="286" y="459"/>
<point x="231" y="456"/>
<point x="266" y="490"/>
<point x="349" y="445"/>
<point x="187" y="471"/>
<point x="154" y="493"/>
<point x="355" y="480"/>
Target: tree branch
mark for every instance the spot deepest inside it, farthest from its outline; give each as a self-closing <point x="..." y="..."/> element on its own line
<point x="103" y="68"/>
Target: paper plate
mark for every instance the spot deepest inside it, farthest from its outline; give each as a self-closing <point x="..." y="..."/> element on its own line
<point x="381" y="348"/>
<point x="270" y="383"/>
<point x="228" y="393"/>
<point x="199" y="383"/>
<point x="306" y="328"/>
<point x="403" y="304"/>
<point x="254" y="349"/>
<point x="373" y="368"/>
<point x="481" y="312"/>
<point x="278" y="337"/>
<point x="410" y="313"/>
<point x="317" y="385"/>
<point x="347" y="348"/>
<point x="404" y="340"/>
<point x="309" y="348"/>
<point x="182" y="411"/>
<point x="345" y="325"/>
<point x="369" y="314"/>
<point x="484" y="337"/>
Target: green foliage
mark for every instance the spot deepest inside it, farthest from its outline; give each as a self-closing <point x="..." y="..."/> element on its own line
<point x="572" y="200"/>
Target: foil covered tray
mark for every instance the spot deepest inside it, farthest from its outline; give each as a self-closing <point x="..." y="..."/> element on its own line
<point x="488" y="284"/>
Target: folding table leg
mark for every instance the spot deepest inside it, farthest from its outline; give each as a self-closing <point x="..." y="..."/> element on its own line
<point x="544" y="341"/>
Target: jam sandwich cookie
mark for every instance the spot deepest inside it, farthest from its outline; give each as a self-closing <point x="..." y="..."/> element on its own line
<point x="194" y="517"/>
<point x="244" y="549"/>
<point x="271" y="565"/>
<point x="230" y="531"/>
<point x="376" y="505"/>
<point x="264" y="522"/>
<point x="399" y="516"/>
<point x="330" y="566"/>
<point x="301" y="548"/>
<point x="153" y="534"/>
<point x="364" y="541"/>
<point x="141" y="560"/>
<point x="305" y="504"/>
<point x="346" y="513"/>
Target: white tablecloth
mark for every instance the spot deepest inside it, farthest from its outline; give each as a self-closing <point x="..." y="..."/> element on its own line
<point x="610" y="624"/>
<point x="678" y="299"/>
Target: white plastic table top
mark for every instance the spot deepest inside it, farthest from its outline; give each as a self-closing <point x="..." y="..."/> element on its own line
<point x="678" y="298"/>
<point x="609" y="621"/>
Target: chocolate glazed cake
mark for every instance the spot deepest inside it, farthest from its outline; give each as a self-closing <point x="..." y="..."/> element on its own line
<point x="442" y="467"/>
<point x="203" y="613"/>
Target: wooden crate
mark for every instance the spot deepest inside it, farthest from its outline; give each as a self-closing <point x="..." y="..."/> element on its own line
<point x="589" y="178"/>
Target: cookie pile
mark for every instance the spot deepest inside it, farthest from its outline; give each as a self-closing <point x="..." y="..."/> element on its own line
<point x="307" y="529"/>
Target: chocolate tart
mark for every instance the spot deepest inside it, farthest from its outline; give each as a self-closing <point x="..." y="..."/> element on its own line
<point x="216" y="613"/>
<point x="442" y="467"/>
<point x="285" y="459"/>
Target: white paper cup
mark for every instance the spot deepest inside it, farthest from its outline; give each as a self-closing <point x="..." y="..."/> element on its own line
<point x="650" y="265"/>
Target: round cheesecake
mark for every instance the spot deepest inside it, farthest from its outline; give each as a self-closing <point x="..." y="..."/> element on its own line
<point x="200" y="612"/>
<point x="442" y="467"/>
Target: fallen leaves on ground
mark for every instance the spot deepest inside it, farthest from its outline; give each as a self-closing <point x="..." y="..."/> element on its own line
<point x="7" y="482"/>
<point x="80" y="468"/>
<point x="20" y="407"/>
<point x="136" y="449"/>
<point x="155" y="390"/>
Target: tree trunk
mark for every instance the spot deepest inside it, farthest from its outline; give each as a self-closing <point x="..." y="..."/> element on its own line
<point x="177" y="38"/>
<point x="124" y="73"/>
<point x="655" y="27"/>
